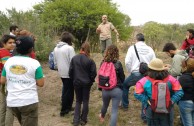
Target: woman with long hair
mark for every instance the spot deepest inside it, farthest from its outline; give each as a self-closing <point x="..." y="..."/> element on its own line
<point x="83" y="72"/>
<point x="186" y="104"/>
<point x="115" y="94"/>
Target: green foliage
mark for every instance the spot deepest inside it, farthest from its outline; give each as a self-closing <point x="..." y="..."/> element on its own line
<point x="154" y="33"/>
<point x="157" y="35"/>
<point x="81" y="17"/>
<point x="4" y="23"/>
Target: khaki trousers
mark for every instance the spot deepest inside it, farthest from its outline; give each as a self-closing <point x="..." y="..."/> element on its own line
<point x="26" y="115"/>
<point x="6" y="116"/>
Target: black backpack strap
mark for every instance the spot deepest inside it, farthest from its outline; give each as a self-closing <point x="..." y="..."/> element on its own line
<point x="136" y="53"/>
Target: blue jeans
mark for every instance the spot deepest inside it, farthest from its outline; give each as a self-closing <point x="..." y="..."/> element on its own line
<point x="131" y="81"/>
<point x="187" y="112"/>
<point x="159" y="119"/>
<point x="116" y="95"/>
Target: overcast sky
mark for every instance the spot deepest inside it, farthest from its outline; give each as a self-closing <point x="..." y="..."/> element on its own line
<point x="140" y="11"/>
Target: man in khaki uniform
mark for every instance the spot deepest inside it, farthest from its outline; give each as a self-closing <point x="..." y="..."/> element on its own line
<point x="104" y="29"/>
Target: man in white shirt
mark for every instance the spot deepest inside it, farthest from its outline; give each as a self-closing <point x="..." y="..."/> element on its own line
<point x="132" y="63"/>
<point x="14" y="30"/>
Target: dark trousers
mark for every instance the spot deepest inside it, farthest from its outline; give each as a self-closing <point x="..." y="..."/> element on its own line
<point x="82" y="95"/>
<point x="67" y="95"/>
<point x="26" y="115"/>
<point x="159" y="119"/>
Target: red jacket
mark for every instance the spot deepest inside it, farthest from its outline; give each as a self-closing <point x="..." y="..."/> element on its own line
<point x="187" y="43"/>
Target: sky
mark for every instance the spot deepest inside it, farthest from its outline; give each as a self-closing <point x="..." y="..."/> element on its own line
<point x="140" y="11"/>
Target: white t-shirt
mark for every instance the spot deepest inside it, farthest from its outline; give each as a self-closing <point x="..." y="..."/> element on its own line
<point x="21" y="73"/>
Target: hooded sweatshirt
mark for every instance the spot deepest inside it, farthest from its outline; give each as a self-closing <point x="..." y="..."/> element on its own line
<point x="175" y="69"/>
<point x="63" y="54"/>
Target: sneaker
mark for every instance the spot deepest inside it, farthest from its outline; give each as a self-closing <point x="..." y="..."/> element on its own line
<point x="63" y="113"/>
<point x="83" y="123"/>
<point x="101" y="118"/>
<point x="75" y="124"/>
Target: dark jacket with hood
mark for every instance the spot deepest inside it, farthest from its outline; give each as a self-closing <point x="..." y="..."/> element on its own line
<point x="82" y="70"/>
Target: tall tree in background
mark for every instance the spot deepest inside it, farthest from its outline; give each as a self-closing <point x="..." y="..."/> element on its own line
<point x="81" y="17"/>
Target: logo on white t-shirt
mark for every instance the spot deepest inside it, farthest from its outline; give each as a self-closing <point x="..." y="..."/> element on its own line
<point x="18" y="69"/>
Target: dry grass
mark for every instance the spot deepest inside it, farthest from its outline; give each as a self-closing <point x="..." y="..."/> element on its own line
<point x="50" y="100"/>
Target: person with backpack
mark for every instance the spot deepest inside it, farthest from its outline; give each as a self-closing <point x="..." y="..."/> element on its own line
<point x="8" y="44"/>
<point x="158" y="92"/>
<point x="136" y="54"/>
<point x="82" y="71"/>
<point x="63" y="53"/>
<point x="186" y="104"/>
<point x="188" y="43"/>
<point x="110" y="79"/>
<point x="104" y="29"/>
<point x="22" y="75"/>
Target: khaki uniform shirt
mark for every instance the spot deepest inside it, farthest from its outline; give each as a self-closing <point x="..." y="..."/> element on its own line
<point x="106" y="30"/>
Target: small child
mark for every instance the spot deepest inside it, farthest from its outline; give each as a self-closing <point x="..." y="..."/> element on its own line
<point x="144" y="93"/>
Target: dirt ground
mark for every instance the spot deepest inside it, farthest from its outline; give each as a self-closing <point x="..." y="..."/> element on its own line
<point x="50" y="95"/>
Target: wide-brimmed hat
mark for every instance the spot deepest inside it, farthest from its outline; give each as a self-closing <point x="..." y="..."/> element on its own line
<point x="156" y="64"/>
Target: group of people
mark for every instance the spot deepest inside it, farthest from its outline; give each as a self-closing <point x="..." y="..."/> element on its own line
<point x="20" y="73"/>
<point x="19" y="80"/>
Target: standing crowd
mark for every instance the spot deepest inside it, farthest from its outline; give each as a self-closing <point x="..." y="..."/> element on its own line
<point x="158" y="89"/>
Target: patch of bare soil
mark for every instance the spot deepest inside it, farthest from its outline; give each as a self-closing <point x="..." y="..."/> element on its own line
<point x="50" y="100"/>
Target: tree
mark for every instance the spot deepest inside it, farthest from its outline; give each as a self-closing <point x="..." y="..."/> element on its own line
<point x="81" y="17"/>
<point x="154" y="33"/>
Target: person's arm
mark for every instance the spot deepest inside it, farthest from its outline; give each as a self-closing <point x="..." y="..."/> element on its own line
<point x="39" y="77"/>
<point x="177" y="89"/>
<point x="112" y="27"/>
<point x="3" y="80"/>
<point x="175" y="68"/>
<point x="3" y="77"/>
<point x="128" y="61"/>
<point x="121" y="73"/>
<point x="184" y="44"/>
<point x="139" y="93"/>
<point x="40" y="82"/>
<point x="117" y="33"/>
<point x="71" y="53"/>
<point x="93" y="72"/>
<point x="98" y="30"/>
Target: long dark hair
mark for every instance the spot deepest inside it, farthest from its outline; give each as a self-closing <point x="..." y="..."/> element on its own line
<point x="157" y="75"/>
<point x="111" y="54"/>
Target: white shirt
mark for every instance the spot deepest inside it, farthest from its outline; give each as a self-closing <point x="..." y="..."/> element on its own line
<point x="146" y="54"/>
<point x="20" y="74"/>
<point x="11" y="34"/>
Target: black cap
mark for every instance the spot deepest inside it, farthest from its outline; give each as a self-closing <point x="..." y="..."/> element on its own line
<point x="24" y="43"/>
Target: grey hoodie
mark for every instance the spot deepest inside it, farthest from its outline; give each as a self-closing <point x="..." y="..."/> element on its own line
<point x="175" y="69"/>
<point x="63" y="54"/>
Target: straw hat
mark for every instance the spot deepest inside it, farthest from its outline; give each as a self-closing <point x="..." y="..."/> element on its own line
<point x="156" y="64"/>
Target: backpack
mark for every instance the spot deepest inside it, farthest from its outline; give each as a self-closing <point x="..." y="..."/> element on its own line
<point x="107" y="78"/>
<point x="52" y="65"/>
<point x="143" y="67"/>
<point x="160" y="100"/>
